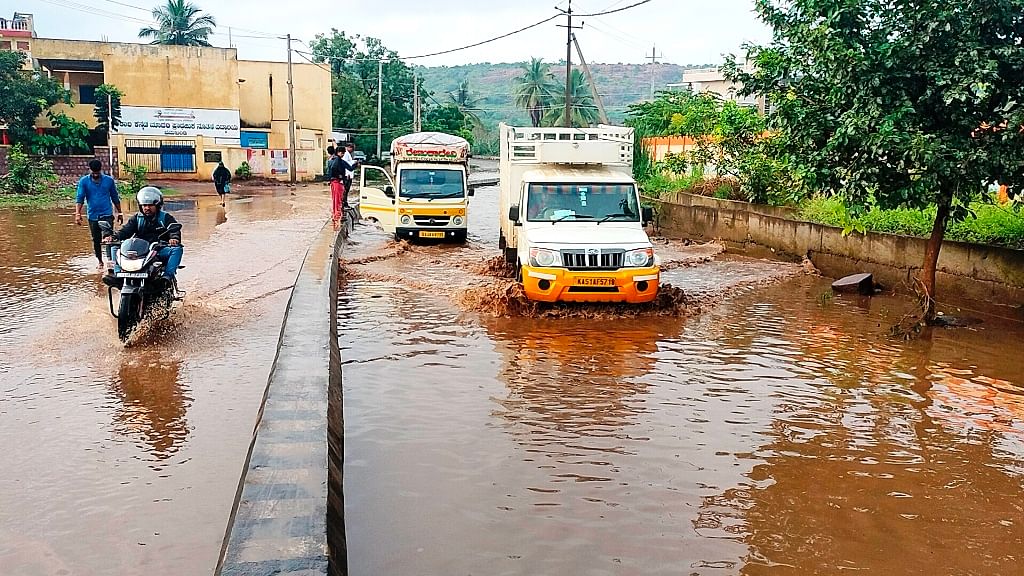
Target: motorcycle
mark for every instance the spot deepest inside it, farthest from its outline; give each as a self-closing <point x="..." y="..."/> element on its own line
<point x="137" y="275"/>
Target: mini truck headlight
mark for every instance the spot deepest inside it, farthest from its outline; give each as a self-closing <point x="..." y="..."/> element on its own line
<point x="640" y="258"/>
<point x="406" y="220"/>
<point x="542" y="257"/>
<point x="457" y="221"/>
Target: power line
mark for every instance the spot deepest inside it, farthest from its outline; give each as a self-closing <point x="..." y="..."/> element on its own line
<point x="642" y="2"/>
<point x="523" y="29"/>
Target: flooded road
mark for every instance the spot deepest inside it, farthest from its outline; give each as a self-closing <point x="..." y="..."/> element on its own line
<point x="770" y="429"/>
<point x="125" y="460"/>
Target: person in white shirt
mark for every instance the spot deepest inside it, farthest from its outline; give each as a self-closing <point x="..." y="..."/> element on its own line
<point x="350" y="165"/>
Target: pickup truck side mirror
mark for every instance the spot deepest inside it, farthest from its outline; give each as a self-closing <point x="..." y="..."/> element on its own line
<point x="513" y="213"/>
<point x="647" y="215"/>
<point x="471" y="192"/>
<point x="389" y="191"/>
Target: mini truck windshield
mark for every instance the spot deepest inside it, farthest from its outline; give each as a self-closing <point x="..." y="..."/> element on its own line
<point x="431" y="183"/>
<point x="585" y="202"/>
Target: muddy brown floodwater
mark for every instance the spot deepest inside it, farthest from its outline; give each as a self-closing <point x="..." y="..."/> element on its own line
<point x="762" y="427"/>
<point x="125" y="460"/>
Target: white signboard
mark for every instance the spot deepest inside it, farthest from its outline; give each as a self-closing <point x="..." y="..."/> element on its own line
<point x="153" y="121"/>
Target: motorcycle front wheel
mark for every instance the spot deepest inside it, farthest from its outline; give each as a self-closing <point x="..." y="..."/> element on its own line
<point x="128" y="315"/>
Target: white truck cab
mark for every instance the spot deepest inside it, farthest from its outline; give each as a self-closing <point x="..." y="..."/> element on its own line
<point x="426" y="193"/>
<point x="571" y="219"/>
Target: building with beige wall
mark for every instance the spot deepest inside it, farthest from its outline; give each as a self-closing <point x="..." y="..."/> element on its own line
<point x="185" y="107"/>
<point x="714" y="81"/>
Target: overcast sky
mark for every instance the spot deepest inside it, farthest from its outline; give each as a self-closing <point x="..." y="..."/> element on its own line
<point x="684" y="31"/>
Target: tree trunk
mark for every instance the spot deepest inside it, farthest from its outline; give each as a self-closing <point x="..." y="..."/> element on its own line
<point x="931" y="253"/>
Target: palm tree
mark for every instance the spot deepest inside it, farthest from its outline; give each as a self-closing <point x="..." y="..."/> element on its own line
<point x="584" y="110"/>
<point x="180" y="25"/>
<point x="535" y="89"/>
<point x="467" y="104"/>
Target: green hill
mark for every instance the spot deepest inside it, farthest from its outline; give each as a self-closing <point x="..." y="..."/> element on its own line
<point x="618" y="84"/>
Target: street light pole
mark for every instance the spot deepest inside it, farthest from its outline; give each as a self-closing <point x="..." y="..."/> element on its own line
<point x="291" y="116"/>
<point x="380" y="86"/>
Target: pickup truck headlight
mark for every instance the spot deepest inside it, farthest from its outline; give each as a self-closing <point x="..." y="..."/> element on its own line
<point x="406" y="220"/>
<point x="543" y="258"/>
<point x="457" y="221"/>
<point x="640" y="258"/>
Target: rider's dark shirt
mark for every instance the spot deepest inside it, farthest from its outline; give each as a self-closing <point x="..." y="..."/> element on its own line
<point x="149" y="228"/>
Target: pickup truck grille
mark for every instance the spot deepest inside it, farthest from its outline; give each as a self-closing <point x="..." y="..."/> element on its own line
<point x="593" y="259"/>
<point x="431" y="220"/>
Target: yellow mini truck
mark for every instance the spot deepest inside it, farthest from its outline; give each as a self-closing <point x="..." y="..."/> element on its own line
<point x="425" y="196"/>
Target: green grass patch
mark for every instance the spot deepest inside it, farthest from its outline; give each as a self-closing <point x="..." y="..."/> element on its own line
<point x="64" y="196"/>
<point x="992" y="224"/>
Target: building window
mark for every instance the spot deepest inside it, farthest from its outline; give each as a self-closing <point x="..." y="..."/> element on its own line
<point x="5" y="45"/>
<point x="23" y="46"/>
<point x="86" y="94"/>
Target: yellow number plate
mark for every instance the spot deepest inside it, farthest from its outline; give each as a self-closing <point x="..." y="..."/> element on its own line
<point x="425" y="234"/>
<point x="595" y="282"/>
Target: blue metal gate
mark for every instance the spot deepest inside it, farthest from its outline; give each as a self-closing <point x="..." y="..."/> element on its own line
<point x="162" y="155"/>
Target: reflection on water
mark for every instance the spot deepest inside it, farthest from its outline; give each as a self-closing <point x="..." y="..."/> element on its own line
<point x="152" y="405"/>
<point x="125" y="460"/>
<point x="778" y="433"/>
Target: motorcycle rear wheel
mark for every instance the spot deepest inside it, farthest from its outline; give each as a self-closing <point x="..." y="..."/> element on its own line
<point x="128" y="315"/>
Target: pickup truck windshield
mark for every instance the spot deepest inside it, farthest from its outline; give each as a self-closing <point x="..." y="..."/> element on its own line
<point x="431" y="183"/>
<point x="585" y="202"/>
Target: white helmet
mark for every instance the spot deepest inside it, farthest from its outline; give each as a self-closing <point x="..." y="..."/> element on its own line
<point x="150" y="195"/>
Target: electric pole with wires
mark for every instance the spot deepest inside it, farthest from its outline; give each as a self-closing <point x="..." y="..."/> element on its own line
<point x="654" y="60"/>
<point x="568" y="62"/>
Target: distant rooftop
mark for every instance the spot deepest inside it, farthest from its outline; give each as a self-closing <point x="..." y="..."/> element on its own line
<point x="19" y="25"/>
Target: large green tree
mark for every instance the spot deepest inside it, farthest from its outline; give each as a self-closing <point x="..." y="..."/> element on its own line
<point x="897" y="103"/>
<point x="24" y="95"/>
<point x="534" y="89"/>
<point x="355" y="60"/>
<point x="468" y="104"/>
<point x="179" y="23"/>
<point x="583" y="108"/>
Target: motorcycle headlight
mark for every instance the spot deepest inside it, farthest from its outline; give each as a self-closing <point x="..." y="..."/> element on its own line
<point x="640" y="258"/>
<point x="543" y="258"/>
<point x="406" y="220"/>
<point x="457" y="221"/>
<point x="132" y="265"/>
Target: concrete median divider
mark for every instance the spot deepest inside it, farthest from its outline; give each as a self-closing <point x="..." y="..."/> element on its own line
<point x="288" y="515"/>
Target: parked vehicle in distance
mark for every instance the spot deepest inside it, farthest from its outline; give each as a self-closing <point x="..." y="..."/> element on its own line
<point x="359" y="156"/>
<point x="571" y="219"/>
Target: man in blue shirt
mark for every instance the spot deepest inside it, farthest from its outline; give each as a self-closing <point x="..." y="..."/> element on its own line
<point x="99" y="191"/>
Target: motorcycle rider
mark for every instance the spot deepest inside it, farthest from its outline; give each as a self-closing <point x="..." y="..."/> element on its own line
<point x="150" y="224"/>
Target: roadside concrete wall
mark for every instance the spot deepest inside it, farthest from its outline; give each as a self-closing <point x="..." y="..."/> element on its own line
<point x="970" y="271"/>
<point x="288" y="516"/>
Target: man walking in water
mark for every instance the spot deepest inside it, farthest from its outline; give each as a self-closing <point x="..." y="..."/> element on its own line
<point x="99" y="192"/>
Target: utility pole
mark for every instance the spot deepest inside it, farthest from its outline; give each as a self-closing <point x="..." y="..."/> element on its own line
<point x="231" y="43"/>
<point x="568" y="64"/>
<point x="416" y="125"/>
<point x="654" y="60"/>
<point x="603" y="116"/>
<point x="380" y="89"/>
<point x="110" y="134"/>
<point x="291" y="117"/>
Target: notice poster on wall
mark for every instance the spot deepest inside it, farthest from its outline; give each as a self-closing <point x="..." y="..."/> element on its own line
<point x="278" y="161"/>
<point x="192" y="122"/>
